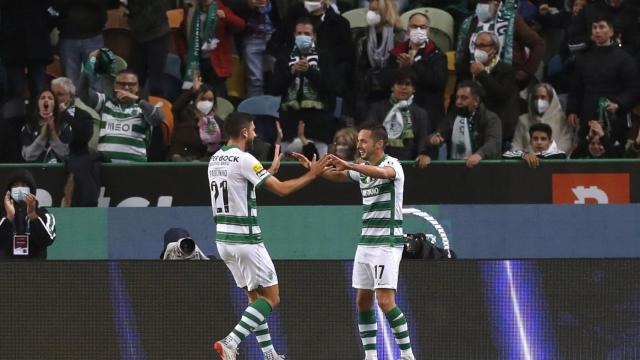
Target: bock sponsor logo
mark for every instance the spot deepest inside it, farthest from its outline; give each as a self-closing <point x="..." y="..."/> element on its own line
<point x="603" y="188"/>
<point x="225" y="158"/>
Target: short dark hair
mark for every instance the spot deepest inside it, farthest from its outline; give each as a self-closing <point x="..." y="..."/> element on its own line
<point x="204" y="88"/>
<point x="304" y="21"/>
<point x="128" y="72"/>
<point x="476" y="88"/>
<point x="404" y="74"/>
<point x="603" y="17"/>
<point x="235" y="122"/>
<point x="378" y="132"/>
<point x="545" y="128"/>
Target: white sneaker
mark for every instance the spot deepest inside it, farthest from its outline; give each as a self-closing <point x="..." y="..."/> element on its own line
<point x="225" y="352"/>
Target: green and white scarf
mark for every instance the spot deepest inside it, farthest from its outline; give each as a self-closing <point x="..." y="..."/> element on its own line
<point x="199" y="36"/>
<point x="301" y="95"/>
<point x="398" y="122"/>
<point x="462" y="137"/>
<point x="503" y="25"/>
<point x="604" y="115"/>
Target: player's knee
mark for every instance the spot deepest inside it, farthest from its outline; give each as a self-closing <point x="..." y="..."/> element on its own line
<point x="386" y="303"/>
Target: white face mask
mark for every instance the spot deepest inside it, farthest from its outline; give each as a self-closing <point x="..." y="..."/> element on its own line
<point x="19" y="193"/>
<point x="312" y="6"/>
<point x="483" y="12"/>
<point x="373" y="18"/>
<point x="481" y="56"/>
<point x="418" y="36"/>
<point x="542" y="106"/>
<point x="204" y="106"/>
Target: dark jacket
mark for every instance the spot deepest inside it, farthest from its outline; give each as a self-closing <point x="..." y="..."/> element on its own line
<point x="502" y="96"/>
<point x="24" y="33"/>
<point x="12" y="116"/>
<point x="332" y="33"/>
<point x="41" y="231"/>
<point x="82" y="19"/>
<point x="148" y="19"/>
<point x="421" y="129"/>
<point x="49" y="150"/>
<point x="582" y="150"/>
<point x="602" y="71"/>
<point x="431" y="69"/>
<point x="319" y="124"/>
<point x="487" y="134"/>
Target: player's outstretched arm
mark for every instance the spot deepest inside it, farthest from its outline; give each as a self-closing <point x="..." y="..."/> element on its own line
<point x="331" y="175"/>
<point x="284" y="188"/>
<point x="375" y="172"/>
<point x="277" y="158"/>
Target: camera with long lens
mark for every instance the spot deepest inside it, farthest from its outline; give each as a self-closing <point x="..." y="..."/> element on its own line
<point x="186" y="247"/>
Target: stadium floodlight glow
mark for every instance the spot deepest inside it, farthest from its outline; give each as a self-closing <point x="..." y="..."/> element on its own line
<point x="516" y="310"/>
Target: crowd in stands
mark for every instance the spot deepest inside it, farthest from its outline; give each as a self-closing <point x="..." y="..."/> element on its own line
<point x="90" y="81"/>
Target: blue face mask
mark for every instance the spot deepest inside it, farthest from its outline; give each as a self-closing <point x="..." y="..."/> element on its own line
<point x="19" y="193"/>
<point x="304" y="43"/>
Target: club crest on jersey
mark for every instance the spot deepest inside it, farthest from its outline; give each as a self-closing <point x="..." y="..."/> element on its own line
<point x="365" y="179"/>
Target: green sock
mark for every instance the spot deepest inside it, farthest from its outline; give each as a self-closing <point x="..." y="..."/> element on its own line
<point x="399" y="325"/>
<point x="254" y="315"/>
<point x="368" y="328"/>
<point x="264" y="337"/>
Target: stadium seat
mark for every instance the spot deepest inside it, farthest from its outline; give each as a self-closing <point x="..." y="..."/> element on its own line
<point x="356" y="17"/>
<point x="175" y="17"/>
<point x="441" y="26"/>
<point x="224" y="107"/>
<point x="266" y="105"/>
<point x="451" y="79"/>
<point x="167" y="125"/>
<point x="117" y="35"/>
<point x="236" y="83"/>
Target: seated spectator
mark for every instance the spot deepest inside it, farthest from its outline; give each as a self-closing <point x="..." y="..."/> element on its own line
<point x="542" y="145"/>
<point x="520" y="45"/>
<point x="126" y="119"/>
<point x="70" y="106"/>
<point x="304" y="79"/>
<point x="26" y="229"/>
<point x="345" y="143"/>
<point x="299" y="144"/>
<point x="596" y="145"/>
<point x="373" y="60"/>
<point x="197" y="131"/>
<point x="604" y="86"/>
<point x="46" y="134"/>
<point x="498" y="80"/>
<point x="632" y="147"/>
<point x="406" y="122"/>
<point x="428" y="62"/>
<point x="210" y="44"/>
<point x="471" y="131"/>
<point x="544" y="107"/>
<point x="262" y="21"/>
<point x="332" y="36"/>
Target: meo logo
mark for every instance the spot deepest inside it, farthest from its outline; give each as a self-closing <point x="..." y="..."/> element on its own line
<point x="589" y="188"/>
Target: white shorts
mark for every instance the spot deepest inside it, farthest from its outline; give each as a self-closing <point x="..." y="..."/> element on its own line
<point x="376" y="267"/>
<point x="250" y="264"/>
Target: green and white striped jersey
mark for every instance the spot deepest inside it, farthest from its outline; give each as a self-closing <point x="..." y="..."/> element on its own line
<point x="381" y="206"/>
<point x="233" y="177"/>
<point x="123" y="131"/>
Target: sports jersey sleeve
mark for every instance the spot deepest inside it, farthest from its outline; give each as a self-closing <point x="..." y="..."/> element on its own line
<point x="253" y="170"/>
<point x="395" y="164"/>
<point x="353" y="175"/>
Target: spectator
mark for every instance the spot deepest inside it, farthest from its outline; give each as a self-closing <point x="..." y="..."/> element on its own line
<point x="632" y="147"/>
<point x="471" y="131"/>
<point x="25" y="44"/>
<point x="300" y="144"/>
<point x="344" y="144"/>
<point x="197" y="131"/>
<point x="46" y="134"/>
<point x="80" y="23"/>
<point x="498" y="80"/>
<point x="373" y="60"/>
<point x="407" y="124"/>
<point x="596" y="145"/>
<point x="26" y="230"/>
<point x="333" y="36"/>
<point x="150" y="29"/>
<point x="544" y="107"/>
<point x="179" y="245"/>
<point x="520" y="46"/>
<point x="304" y="78"/>
<point x="210" y="44"/>
<point x="624" y="19"/>
<point x="542" y="146"/>
<point x="428" y="62"/>
<point x="125" y="117"/>
<point x="65" y="92"/>
<point x="604" y="85"/>
<point x="262" y="21"/>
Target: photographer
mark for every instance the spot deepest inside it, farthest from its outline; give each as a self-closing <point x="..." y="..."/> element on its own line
<point x="26" y="230"/>
<point x="178" y="245"/>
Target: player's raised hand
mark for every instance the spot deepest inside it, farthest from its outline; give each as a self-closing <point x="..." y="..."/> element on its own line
<point x="277" y="158"/>
<point x="302" y="160"/>
<point x="338" y="164"/>
<point x="319" y="167"/>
